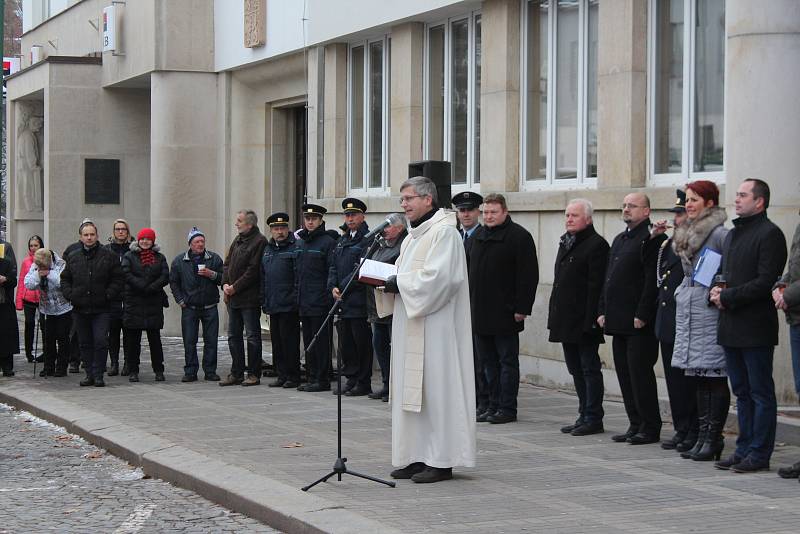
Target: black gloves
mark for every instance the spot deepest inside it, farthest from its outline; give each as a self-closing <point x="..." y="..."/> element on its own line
<point x="391" y="285"/>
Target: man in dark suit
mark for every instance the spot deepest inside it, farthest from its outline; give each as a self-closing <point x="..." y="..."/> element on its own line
<point x="579" y="273"/>
<point x="627" y="311"/>
<point x="681" y="388"/>
<point x="468" y="206"/>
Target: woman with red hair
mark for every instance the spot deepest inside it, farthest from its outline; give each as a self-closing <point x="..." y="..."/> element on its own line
<point x="696" y="349"/>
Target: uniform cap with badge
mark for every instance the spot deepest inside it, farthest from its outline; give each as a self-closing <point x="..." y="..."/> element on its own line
<point x="313" y="209"/>
<point x="278" y="219"/>
<point x="353" y="205"/>
<point x="467" y="200"/>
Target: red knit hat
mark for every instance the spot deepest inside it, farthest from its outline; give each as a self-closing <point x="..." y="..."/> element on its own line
<point x="147" y="233"/>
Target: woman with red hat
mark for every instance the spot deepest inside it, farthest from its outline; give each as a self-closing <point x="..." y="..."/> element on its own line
<point x="146" y="275"/>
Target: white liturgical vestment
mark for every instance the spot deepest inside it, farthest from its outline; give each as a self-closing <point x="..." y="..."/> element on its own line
<point x="432" y="371"/>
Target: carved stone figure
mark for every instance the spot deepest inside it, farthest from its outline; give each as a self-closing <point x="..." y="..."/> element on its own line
<point x="29" y="169"/>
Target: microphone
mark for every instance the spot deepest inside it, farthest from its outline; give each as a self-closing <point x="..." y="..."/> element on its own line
<point x="378" y="229"/>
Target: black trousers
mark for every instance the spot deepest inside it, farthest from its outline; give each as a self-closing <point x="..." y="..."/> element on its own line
<point x="481" y="384"/>
<point x="682" y="392"/>
<point x="284" y="329"/>
<point x="500" y="355"/>
<point x="583" y="363"/>
<point x="30" y="319"/>
<point x="634" y="358"/>
<point x="318" y="359"/>
<point x="56" y="341"/>
<point x="355" y="343"/>
<point x="74" y="342"/>
<point x="93" y="336"/>
<point x="134" y="351"/>
<point x="114" y="329"/>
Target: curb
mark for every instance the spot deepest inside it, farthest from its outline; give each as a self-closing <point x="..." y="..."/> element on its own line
<point x="272" y="502"/>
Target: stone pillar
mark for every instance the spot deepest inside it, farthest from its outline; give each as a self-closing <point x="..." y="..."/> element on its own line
<point x="500" y="98"/>
<point x="622" y="94"/>
<point x="315" y="133"/>
<point x="335" y="166"/>
<point x="406" y="100"/>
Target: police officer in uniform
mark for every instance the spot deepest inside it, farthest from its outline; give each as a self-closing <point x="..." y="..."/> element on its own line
<point x="468" y="206"/>
<point x="314" y="246"/>
<point x="355" y="336"/>
<point x="681" y="388"/>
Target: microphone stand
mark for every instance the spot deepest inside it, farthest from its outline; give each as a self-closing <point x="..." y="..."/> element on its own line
<point x="340" y="465"/>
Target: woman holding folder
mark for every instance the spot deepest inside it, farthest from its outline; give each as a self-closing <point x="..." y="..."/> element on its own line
<point x="698" y="243"/>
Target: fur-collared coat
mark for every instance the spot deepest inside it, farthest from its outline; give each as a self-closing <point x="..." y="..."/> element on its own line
<point x="695" y="317"/>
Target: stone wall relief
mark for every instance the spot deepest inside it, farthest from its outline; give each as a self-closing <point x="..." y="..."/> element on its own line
<point x="29" y="177"/>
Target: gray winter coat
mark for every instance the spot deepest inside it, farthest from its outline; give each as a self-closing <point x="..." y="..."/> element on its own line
<point x="695" y="318"/>
<point x="791" y="281"/>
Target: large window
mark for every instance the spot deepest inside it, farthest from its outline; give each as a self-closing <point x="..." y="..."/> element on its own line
<point x="368" y="137"/>
<point x="559" y="104"/>
<point x="687" y="90"/>
<point x="452" y="96"/>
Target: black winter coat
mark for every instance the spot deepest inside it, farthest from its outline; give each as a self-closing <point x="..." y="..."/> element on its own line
<point x="92" y="280"/>
<point x="190" y="289"/>
<point x="9" y="329"/>
<point x="503" y="275"/>
<point x="672" y="272"/>
<point x="279" y="288"/>
<point x="630" y="287"/>
<point x="577" y="283"/>
<point x="344" y="257"/>
<point x="145" y="298"/>
<point x="242" y="269"/>
<point x="312" y="264"/>
<point x="120" y="250"/>
<point x="753" y="258"/>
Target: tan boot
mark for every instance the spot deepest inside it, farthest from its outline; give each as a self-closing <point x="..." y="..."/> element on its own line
<point x="230" y="380"/>
<point x="251" y="380"/>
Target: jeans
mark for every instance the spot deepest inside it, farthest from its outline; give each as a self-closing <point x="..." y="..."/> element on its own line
<point x="284" y="329"/>
<point x="382" y="343"/>
<point x="241" y="320"/>
<point x="114" y="329"/>
<point x="56" y="330"/>
<point x="30" y="319"/>
<point x="750" y="373"/>
<point x="634" y="358"/>
<point x="794" y="338"/>
<point x="191" y="318"/>
<point x="134" y="350"/>
<point x="355" y="341"/>
<point x="93" y="338"/>
<point x="583" y="363"/>
<point x="682" y="391"/>
<point x="318" y="359"/>
<point x="500" y="354"/>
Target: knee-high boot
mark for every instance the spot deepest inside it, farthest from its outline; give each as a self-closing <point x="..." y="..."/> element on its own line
<point x="720" y="399"/>
<point x="703" y="406"/>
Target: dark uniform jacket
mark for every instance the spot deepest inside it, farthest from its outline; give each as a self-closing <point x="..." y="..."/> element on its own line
<point x="345" y="256"/>
<point x="630" y="287"/>
<point x="671" y="273"/>
<point x="242" y="269"/>
<point x="190" y="289"/>
<point x="579" y="274"/>
<point x="92" y="280"/>
<point x="279" y="286"/>
<point x="145" y="298"/>
<point x="503" y="275"/>
<point x="313" y="260"/>
<point x="753" y="257"/>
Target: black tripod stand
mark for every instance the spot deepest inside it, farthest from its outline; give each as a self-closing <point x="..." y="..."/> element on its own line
<point x="340" y="465"/>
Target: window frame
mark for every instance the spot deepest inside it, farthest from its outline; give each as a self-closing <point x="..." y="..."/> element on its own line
<point x="365" y="141"/>
<point x="688" y="110"/>
<point x="470" y="184"/>
<point x="582" y="180"/>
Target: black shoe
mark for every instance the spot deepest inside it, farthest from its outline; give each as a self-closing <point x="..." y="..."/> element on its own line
<point x="8" y="373"/>
<point x="277" y="383"/>
<point x="60" y="372"/>
<point x="622" y="438"/>
<point x="673" y="442"/>
<point x="688" y="442"/>
<point x="378" y="394"/>
<point x="43" y="373"/>
<point x="433" y="474"/>
<point x="29" y="357"/>
<point x="408" y="471"/>
<point x="211" y="377"/>
<point x="345" y="388"/>
<point x="291" y="384"/>
<point x="98" y="383"/>
<point x="134" y="377"/>
<point x="587" y="429"/>
<point x="73" y="368"/>
<point x="385" y="398"/>
<point x="40" y="358"/>
<point x="793" y="471"/>
<point x="728" y="462"/>
<point x="500" y="418"/>
<point x="569" y="428"/>
<point x="483" y="417"/>
<point x="189" y="378"/>
<point x="160" y="377"/>
<point x="114" y="369"/>
<point x="313" y="388"/>
<point x="88" y="381"/>
<point x="358" y="392"/>
<point x="125" y="370"/>
<point x="749" y="466"/>
<point x="640" y="438"/>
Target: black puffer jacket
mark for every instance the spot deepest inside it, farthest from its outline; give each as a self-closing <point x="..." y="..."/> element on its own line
<point x="190" y="289"/>
<point x="92" y="280"/>
<point x="344" y="258"/>
<point x="145" y="298"/>
<point x="313" y="254"/>
<point x="279" y="289"/>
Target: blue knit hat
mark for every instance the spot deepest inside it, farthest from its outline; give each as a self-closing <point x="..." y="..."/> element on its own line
<point x="194" y="232"/>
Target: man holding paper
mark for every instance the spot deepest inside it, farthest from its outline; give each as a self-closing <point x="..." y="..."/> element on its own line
<point x="432" y="377"/>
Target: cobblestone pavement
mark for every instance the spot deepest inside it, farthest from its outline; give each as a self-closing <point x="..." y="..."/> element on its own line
<point x="529" y="477"/>
<point x="54" y="481"/>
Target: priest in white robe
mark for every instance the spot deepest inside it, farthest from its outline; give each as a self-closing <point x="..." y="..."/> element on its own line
<point x="432" y="388"/>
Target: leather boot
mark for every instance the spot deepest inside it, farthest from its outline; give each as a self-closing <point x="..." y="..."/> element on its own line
<point x="114" y="369"/>
<point x="717" y="414"/>
<point x="703" y="401"/>
<point x="688" y="442"/>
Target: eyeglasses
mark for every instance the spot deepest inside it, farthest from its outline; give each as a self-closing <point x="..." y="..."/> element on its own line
<point x="120" y="229"/>
<point x="631" y="206"/>
<point x="407" y="199"/>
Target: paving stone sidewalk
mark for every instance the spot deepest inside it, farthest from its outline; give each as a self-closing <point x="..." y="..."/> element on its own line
<point x="529" y="478"/>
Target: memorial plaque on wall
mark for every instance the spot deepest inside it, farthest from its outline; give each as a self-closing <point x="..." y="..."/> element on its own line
<point x="101" y="179"/>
